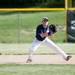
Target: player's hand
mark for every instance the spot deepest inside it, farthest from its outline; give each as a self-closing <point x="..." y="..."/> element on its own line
<point x="44" y="34"/>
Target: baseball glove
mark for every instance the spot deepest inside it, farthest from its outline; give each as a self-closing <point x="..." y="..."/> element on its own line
<point x="53" y="28"/>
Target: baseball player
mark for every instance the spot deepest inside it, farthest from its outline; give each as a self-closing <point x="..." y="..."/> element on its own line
<point x="42" y="32"/>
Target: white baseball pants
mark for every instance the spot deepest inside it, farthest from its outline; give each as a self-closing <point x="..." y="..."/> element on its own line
<point x="36" y="43"/>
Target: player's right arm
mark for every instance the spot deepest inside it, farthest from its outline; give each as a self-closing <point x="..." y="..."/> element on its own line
<point x="39" y="32"/>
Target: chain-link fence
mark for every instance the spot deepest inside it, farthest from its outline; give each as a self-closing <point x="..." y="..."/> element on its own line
<point x="20" y="27"/>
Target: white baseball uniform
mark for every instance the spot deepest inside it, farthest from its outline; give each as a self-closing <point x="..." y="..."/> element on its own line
<point x="36" y="43"/>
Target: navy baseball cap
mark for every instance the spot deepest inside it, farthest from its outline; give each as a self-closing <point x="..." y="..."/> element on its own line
<point x="45" y="19"/>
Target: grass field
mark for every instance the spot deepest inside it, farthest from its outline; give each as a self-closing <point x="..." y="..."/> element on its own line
<point x="20" y="27"/>
<point x="22" y="49"/>
<point x="13" y="69"/>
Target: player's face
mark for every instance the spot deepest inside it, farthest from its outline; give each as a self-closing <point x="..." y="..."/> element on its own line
<point x="45" y="23"/>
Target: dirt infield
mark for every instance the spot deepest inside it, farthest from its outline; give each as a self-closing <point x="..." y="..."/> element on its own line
<point x="37" y="59"/>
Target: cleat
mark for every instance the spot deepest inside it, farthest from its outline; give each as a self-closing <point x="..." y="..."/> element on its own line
<point x="68" y="58"/>
<point x="29" y="60"/>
